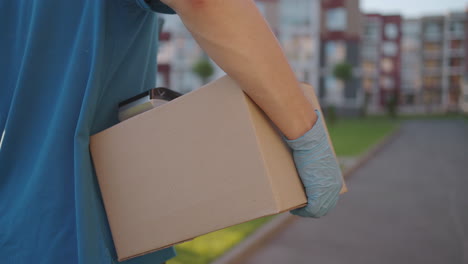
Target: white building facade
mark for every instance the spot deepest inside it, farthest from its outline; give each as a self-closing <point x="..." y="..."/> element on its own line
<point x="299" y="34"/>
<point x="411" y="83"/>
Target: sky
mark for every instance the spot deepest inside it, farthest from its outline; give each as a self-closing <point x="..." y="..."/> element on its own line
<point x="413" y="8"/>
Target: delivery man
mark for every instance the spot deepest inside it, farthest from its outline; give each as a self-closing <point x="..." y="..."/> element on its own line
<point x="64" y="67"/>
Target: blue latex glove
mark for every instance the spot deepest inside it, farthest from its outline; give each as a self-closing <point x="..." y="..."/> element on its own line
<point x="319" y="170"/>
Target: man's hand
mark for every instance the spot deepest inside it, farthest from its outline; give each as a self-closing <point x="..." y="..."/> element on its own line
<point x="319" y="171"/>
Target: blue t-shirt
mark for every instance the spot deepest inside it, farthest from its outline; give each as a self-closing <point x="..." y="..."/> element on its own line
<point x="64" y="66"/>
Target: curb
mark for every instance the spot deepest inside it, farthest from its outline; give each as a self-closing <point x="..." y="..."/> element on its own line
<point x="247" y="247"/>
<point x="253" y="242"/>
<point x="373" y="151"/>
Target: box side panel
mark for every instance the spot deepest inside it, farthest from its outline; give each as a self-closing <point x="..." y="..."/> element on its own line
<point x="287" y="187"/>
<point x="184" y="169"/>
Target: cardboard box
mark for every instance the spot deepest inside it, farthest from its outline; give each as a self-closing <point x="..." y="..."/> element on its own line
<point x="205" y="161"/>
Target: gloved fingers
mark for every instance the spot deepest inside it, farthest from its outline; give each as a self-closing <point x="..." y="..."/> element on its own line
<point x="321" y="199"/>
<point x="313" y="207"/>
<point x="329" y="204"/>
<point x="306" y="212"/>
<point x="328" y="193"/>
<point x="318" y="169"/>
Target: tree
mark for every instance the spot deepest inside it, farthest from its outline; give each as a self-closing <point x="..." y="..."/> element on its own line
<point x="343" y="71"/>
<point x="203" y="69"/>
<point x="392" y="105"/>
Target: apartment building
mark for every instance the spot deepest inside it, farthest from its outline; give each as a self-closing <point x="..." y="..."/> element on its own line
<point x="390" y="64"/>
<point x="464" y="93"/>
<point x="370" y="59"/>
<point x="299" y="33"/>
<point x="411" y="82"/>
<point x="444" y="41"/>
<point x="454" y="59"/>
<point x="381" y="59"/>
<point x="340" y="43"/>
<point x="432" y="43"/>
<point x="421" y="61"/>
<point x="466" y="42"/>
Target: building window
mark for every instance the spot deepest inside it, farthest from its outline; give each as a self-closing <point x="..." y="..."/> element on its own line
<point x="371" y="31"/>
<point x="391" y="31"/>
<point x="300" y="48"/>
<point x="387" y="65"/>
<point x="335" y="52"/>
<point x="410" y="44"/>
<point x="456" y="62"/>
<point x="431" y="63"/>
<point x="457" y="28"/>
<point x="368" y="85"/>
<point x="389" y="49"/>
<point x="370" y="52"/>
<point x="295" y="12"/>
<point x="431" y="82"/>
<point x="336" y="19"/>
<point x="433" y="31"/>
<point x="388" y="83"/>
<point x="411" y="28"/>
<point x="431" y="47"/>
<point x="368" y="67"/>
<point x="455" y="81"/>
<point x="456" y="44"/>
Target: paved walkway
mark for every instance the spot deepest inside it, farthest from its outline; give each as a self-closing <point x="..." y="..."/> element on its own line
<point x="407" y="205"/>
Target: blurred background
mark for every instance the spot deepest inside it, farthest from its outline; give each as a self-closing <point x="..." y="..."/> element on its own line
<point x="391" y="76"/>
<point x="361" y="56"/>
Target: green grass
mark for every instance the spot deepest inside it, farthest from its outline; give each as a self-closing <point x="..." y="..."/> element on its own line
<point x="207" y="248"/>
<point x="350" y="137"/>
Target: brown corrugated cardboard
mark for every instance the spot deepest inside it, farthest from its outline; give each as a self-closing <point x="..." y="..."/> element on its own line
<point x="205" y="161"/>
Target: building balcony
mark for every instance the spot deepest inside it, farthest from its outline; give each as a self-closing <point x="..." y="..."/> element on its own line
<point x="370" y="52"/>
<point x="432" y="71"/>
<point x="459" y="52"/>
<point x="409" y="88"/>
<point x="455" y="35"/>
<point x="432" y="54"/>
<point x="370" y="74"/>
<point x="433" y="37"/>
<point x="455" y="89"/>
<point x="374" y="40"/>
<point x="370" y="57"/>
<point x="455" y="70"/>
<point x="434" y="87"/>
<point x="410" y="77"/>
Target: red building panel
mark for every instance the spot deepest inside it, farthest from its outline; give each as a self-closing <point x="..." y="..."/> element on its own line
<point x="333" y="4"/>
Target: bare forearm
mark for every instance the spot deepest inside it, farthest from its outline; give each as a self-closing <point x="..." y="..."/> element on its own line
<point x="238" y="39"/>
